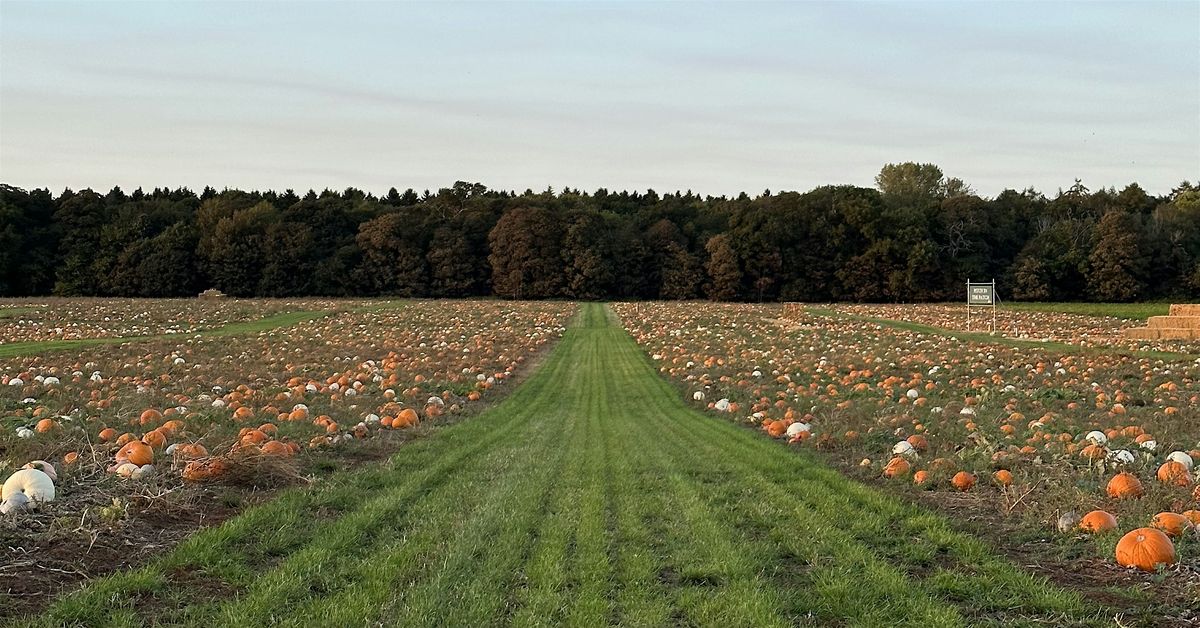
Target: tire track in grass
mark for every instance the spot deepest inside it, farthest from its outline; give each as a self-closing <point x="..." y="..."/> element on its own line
<point x="546" y="595"/>
<point x="715" y="576"/>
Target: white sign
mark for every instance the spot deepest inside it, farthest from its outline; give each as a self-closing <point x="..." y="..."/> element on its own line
<point x="981" y="294"/>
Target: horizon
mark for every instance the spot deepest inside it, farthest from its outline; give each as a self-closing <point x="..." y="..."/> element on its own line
<point x="717" y="99"/>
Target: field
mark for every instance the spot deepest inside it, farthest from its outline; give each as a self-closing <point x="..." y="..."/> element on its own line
<point x="635" y="464"/>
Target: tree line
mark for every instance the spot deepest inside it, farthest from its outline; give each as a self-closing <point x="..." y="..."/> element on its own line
<point x="917" y="236"/>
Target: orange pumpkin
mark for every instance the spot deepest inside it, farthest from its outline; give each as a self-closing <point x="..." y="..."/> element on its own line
<point x="276" y="448"/>
<point x="1145" y="549"/>
<point x="190" y="451"/>
<point x="253" y="437"/>
<point x="1098" y="521"/>
<point x="107" y="434"/>
<point x="1193" y="516"/>
<point x="203" y="470"/>
<point x="1124" y="485"/>
<point x="406" y="418"/>
<point x="1094" y="452"/>
<point x="1174" y="524"/>
<point x="963" y="481"/>
<point x="136" y="452"/>
<point x="150" y="416"/>
<point x="1174" y="473"/>
<point x="45" y="425"/>
<point x="1003" y="477"/>
<point x="155" y="439"/>
<point x="920" y="477"/>
<point x="896" y="467"/>
<point x="919" y="443"/>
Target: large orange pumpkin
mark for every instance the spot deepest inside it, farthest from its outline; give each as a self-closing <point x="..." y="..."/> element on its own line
<point x="1098" y="521"/>
<point x="1124" y="485"/>
<point x="1146" y="549"/>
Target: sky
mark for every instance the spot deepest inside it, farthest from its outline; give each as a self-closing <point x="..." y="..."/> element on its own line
<point x="717" y="98"/>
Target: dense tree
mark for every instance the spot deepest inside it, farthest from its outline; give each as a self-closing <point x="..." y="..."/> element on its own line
<point x="725" y="277"/>
<point x="917" y="236"/>
<point x="28" y="241"/>
<point x="526" y="259"/>
<point x="1118" y="260"/>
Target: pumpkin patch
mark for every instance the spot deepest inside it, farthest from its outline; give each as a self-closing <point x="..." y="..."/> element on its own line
<point x="1060" y="411"/>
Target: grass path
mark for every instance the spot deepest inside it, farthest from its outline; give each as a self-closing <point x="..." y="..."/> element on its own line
<point x="267" y="323"/>
<point x="1136" y="311"/>
<point x="591" y="496"/>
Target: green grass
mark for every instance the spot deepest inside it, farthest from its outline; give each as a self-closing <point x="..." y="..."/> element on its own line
<point x="14" y="311"/>
<point x="1136" y="311"/>
<point x="1020" y="343"/>
<point x="267" y="323"/>
<point x="591" y="496"/>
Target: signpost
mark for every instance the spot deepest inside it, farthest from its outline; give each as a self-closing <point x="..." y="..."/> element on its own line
<point x="981" y="295"/>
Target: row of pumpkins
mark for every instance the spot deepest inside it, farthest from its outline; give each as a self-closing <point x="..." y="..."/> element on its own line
<point x="34" y="483"/>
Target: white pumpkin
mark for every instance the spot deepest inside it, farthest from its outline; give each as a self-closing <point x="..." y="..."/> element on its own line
<point x="698" y="396"/>
<point x="796" y="428"/>
<point x="126" y="469"/>
<point x="1121" y="456"/>
<point x="1149" y="445"/>
<point x="142" y="472"/>
<point x="17" y="503"/>
<point x="1182" y="458"/>
<point x="904" y="448"/>
<point x="722" y="405"/>
<point x="1096" y="437"/>
<point x="44" y="467"/>
<point x="36" y="485"/>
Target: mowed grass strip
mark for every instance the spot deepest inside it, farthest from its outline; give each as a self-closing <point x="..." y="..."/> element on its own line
<point x="267" y="323"/>
<point x="1134" y="311"/>
<point x="591" y="496"/>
